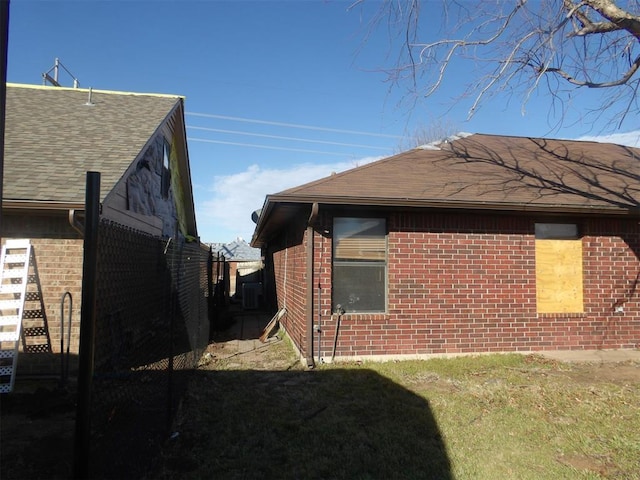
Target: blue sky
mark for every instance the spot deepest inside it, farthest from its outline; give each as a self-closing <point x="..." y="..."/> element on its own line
<point x="278" y="93"/>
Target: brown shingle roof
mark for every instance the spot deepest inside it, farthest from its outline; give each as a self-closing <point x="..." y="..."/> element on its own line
<point x="497" y="170"/>
<point x="53" y="138"/>
<point x="483" y="171"/>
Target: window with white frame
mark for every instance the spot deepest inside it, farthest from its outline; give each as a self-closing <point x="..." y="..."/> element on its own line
<point x="359" y="264"/>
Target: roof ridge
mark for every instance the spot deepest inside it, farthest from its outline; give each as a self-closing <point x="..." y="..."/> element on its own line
<point x="93" y="90"/>
<point x="435" y="144"/>
<point x="551" y="139"/>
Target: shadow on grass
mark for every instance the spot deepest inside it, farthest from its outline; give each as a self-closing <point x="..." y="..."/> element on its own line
<point x="334" y="423"/>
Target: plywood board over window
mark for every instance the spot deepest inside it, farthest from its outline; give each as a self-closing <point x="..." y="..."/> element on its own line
<point x="559" y="276"/>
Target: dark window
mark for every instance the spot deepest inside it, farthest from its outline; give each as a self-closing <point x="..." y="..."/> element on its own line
<point x="166" y="169"/>
<point x="359" y="264"/>
<point x="556" y="231"/>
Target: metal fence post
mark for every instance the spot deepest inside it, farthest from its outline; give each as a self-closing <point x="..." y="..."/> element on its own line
<point x="4" y="34"/>
<point x="173" y="298"/>
<point x="212" y="314"/>
<point x="82" y="448"/>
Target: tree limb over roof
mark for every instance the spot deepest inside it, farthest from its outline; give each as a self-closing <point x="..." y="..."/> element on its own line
<point x="519" y="47"/>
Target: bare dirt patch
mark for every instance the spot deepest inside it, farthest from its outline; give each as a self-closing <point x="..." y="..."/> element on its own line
<point x="239" y="347"/>
<point x="615" y="373"/>
<point x="584" y="463"/>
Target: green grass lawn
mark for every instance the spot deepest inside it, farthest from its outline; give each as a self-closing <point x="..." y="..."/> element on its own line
<point x="509" y="416"/>
<point x="483" y="417"/>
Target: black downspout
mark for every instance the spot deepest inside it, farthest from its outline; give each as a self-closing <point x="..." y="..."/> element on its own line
<point x="309" y="300"/>
<point x="319" y="325"/>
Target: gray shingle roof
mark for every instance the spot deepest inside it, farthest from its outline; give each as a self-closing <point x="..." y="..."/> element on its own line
<point x="238" y="250"/>
<point x="52" y="138"/>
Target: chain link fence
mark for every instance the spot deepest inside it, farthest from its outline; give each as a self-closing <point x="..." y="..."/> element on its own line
<point x="152" y="326"/>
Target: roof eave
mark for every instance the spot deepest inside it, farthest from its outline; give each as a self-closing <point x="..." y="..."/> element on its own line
<point x="265" y="212"/>
<point x="41" y="205"/>
<point x="435" y="203"/>
<point x="186" y="174"/>
<point x="272" y="201"/>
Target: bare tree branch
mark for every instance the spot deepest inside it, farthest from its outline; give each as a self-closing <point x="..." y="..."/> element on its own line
<point x="513" y="46"/>
<point x="585" y="83"/>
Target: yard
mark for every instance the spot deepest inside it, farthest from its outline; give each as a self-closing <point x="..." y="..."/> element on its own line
<point x="251" y="412"/>
<point x="258" y="414"/>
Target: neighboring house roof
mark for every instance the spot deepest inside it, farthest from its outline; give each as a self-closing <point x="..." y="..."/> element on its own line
<point x="478" y="172"/>
<point x="54" y="135"/>
<point x="215" y="247"/>
<point x="238" y="251"/>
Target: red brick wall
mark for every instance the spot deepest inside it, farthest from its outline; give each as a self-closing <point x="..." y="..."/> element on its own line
<point x="58" y="255"/>
<point x="466" y="283"/>
<point x="290" y="273"/>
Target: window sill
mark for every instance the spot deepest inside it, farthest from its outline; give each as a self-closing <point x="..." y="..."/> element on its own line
<point x="366" y="315"/>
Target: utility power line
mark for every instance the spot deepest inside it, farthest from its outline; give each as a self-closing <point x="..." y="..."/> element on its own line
<point x="238" y="144"/>
<point x="291" y="125"/>
<point x="278" y="137"/>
